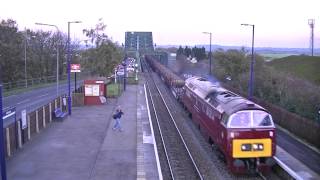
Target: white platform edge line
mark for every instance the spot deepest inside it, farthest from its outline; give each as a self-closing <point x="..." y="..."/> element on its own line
<point x="287" y="169"/>
<point x="152" y="133"/>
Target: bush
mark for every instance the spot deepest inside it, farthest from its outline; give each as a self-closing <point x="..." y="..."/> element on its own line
<point x="113" y="90"/>
<point x="274" y="86"/>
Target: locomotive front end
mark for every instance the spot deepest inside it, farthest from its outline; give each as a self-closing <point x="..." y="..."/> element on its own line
<point x="251" y="141"/>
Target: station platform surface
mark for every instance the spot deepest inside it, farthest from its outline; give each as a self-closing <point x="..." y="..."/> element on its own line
<point x="84" y="146"/>
<point x="294" y="167"/>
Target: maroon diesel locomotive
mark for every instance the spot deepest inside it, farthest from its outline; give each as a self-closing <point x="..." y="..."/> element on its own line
<point x="243" y="131"/>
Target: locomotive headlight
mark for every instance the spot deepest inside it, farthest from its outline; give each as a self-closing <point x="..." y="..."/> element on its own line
<point x="232" y="134"/>
<point x="255" y="147"/>
<point x="270" y="133"/>
<point x="260" y="147"/>
<point x="246" y="147"/>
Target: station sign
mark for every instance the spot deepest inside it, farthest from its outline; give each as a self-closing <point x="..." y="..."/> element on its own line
<point x="75" y="68"/>
<point x="9" y="113"/>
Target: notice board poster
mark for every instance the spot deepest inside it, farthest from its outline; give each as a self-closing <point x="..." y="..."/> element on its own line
<point x="91" y="90"/>
<point x="24" y="119"/>
<point x="95" y="90"/>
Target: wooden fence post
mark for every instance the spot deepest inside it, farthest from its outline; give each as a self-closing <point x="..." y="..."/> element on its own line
<point x="29" y="128"/>
<point x="19" y="135"/>
<point x="44" y="116"/>
<point x="8" y="142"/>
<point x="50" y="112"/>
<point x="37" y="121"/>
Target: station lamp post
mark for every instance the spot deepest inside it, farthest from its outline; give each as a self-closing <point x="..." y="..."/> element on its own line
<point x="2" y="156"/>
<point x="210" y="61"/>
<point x="25" y="57"/>
<point x="43" y="24"/>
<point x="252" y="62"/>
<point x="69" y="68"/>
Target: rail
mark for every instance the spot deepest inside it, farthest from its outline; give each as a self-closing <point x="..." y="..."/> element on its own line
<point x="176" y="128"/>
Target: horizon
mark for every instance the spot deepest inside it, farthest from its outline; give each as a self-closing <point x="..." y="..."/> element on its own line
<point x="258" y="47"/>
<point x="280" y="24"/>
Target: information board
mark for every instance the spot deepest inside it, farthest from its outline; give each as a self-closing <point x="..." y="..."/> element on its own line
<point x="95" y="90"/>
<point x="24" y="119"/>
<point x="92" y="90"/>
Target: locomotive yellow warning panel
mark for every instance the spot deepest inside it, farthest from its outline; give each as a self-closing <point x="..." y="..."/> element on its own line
<point x="250" y="148"/>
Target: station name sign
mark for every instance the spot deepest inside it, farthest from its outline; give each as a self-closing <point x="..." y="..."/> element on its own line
<point x="11" y="112"/>
<point x="75" y="68"/>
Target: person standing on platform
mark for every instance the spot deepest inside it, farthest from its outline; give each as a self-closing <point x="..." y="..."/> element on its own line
<point x="117" y="117"/>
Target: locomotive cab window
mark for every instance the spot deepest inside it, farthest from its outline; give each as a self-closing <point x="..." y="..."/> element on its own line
<point x="261" y="119"/>
<point x="240" y="120"/>
<point x="225" y="118"/>
<point x="250" y="119"/>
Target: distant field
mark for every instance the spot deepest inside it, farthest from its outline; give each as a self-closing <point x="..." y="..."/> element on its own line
<point x="272" y="56"/>
<point x="305" y="67"/>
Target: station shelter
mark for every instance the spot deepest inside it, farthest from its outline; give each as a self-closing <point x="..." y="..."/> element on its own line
<point x="94" y="92"/>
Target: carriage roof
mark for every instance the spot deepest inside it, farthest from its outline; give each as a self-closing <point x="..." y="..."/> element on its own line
<point x="219" y="97"/>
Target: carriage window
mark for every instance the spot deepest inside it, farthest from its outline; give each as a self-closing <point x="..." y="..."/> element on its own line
<point x="213" y="102"/>
<point x="209" y="112"/>
<point x="241" y="120"/>
<point x="203" y="107"/>
<point x="261" y="119"/>
<point x="225" y="119"/>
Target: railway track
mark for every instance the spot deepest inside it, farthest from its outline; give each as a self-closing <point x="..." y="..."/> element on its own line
<point x="208" y="162"/>
<point x="179" y="160"/>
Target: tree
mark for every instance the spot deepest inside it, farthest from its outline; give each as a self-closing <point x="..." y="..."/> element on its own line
<point x="10" y="51"/>
<point x="283" y="89"/>
<point x="180" y="50"/>
<point x="40" y="52"/>
<point x="102" y="58"/>
<point x="187" y="51"/>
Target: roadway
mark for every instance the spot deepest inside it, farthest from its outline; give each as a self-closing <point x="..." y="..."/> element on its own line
<point x="32" y="100"/>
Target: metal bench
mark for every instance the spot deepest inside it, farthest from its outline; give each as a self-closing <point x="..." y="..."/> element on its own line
<point x="58" y="113"/>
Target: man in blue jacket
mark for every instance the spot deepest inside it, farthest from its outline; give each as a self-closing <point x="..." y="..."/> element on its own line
<point x="117" y="117"/>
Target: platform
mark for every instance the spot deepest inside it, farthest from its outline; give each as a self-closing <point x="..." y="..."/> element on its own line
<point x="84" y="146"/>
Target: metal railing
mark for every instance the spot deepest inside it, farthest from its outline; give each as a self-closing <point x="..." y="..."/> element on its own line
<point x="34" y="82"/>
<point x="30" y="83"/>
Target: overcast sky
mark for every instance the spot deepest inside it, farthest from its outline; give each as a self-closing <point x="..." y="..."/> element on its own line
<point x="279" y="23"/>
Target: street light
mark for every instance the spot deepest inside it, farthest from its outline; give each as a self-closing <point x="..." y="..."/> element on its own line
<point x="252" y="62"/>
<point x="2" y="156"/>
<point x="43" y="24"/>
<point x="68" y="60"/>
<point x="25" y="56"/>
<point x="210" y="51"/>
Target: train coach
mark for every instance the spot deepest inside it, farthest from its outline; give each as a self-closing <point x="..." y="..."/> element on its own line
<point x="174" y="82"/>
<point x="243" y="131"/>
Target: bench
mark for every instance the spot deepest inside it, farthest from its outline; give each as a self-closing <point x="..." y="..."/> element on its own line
<point x="58" y="113"/>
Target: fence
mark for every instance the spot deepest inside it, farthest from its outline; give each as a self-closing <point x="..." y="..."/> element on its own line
<point x="30" y="83"/>
<point x="15" y="136"/>
<point x="115" y="89"/>
<point x="21" y="84"/>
